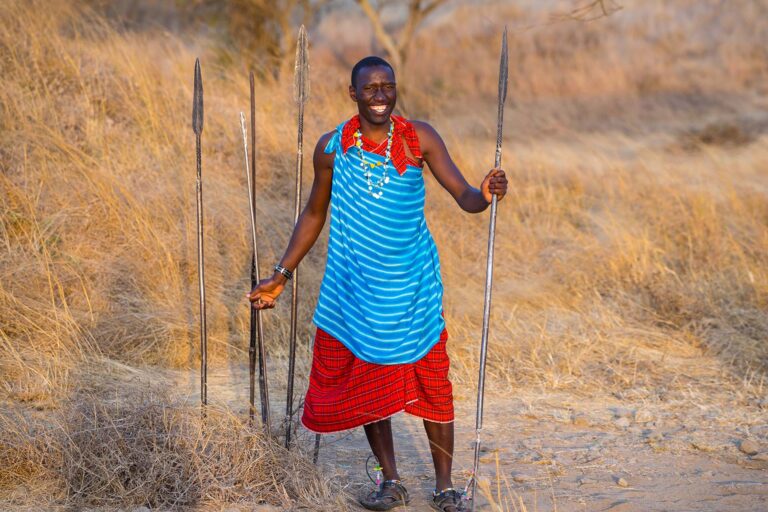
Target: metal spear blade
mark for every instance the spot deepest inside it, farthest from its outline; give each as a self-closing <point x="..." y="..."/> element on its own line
<point x="503" y="68"/>
<point x="503" y="82"/>
<point x="301" y="75"/>
<point x="197" y="101"/>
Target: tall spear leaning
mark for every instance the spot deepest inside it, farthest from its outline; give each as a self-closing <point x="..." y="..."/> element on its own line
<point x="301" y="95"/>
<point x="503" y="79"/>
<point x="256" y="330"/>
<point x="197" y="127"/>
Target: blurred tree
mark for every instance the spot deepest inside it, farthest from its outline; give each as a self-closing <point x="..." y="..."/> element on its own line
<point x="264" y="31"/>
<point x="397" y="45"/>
<point x="590" y="11"/>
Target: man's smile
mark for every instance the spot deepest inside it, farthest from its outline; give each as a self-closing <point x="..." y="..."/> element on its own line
<point x="379" y="109"/>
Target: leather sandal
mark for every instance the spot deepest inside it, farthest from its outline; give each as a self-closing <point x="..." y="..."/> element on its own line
<point x="389" y="495"/>
<point x="447" y="500"/>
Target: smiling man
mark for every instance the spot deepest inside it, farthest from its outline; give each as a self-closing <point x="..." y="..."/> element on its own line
<point x="380" y="346"/>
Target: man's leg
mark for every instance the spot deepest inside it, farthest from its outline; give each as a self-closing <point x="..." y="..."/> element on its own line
<point x="379" y="436"/>
<point x="440" y="437"/>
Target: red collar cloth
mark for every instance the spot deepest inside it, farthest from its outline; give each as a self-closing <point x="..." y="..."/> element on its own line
<point x="403" y="130"/>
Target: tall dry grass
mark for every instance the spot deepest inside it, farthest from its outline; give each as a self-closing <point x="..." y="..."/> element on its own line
<point x="631" y="252"/>
<point x="143" y="452"/>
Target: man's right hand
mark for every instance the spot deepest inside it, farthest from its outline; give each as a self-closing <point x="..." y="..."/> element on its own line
<point x="264" y="295"/>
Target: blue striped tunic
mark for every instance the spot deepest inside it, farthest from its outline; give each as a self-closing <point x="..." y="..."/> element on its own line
<point x="382" y="294"/>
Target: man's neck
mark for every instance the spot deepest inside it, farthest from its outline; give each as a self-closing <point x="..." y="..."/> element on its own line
<point x="374" y="132"/>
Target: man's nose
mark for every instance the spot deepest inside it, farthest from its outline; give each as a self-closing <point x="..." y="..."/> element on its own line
<point x="379" y="94"/>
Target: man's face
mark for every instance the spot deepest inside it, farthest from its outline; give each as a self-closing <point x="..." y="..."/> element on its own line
<point x="375" y="94"/>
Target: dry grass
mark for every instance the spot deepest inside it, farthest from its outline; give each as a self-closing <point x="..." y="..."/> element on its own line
<point x="624" y="264"/>
<point x="146" y="452"/>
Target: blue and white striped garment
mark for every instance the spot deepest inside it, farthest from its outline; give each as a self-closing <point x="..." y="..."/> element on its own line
<point x="382" y="294"/>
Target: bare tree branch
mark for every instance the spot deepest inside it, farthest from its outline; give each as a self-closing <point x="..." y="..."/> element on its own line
<point x="592" y="11"/>
<point x="381" y="34"/>
<point x="397" y="47"/>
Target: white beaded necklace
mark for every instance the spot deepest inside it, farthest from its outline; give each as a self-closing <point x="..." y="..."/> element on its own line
<point x="367" y="167"/>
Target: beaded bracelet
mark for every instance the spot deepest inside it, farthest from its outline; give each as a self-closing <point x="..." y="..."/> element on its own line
<point x="286" y="273"/>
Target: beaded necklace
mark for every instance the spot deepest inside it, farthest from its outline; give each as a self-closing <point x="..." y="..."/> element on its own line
<point x="367" y="167"/>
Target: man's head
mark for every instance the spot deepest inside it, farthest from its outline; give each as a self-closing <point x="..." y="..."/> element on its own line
<point x="374" y="90"/>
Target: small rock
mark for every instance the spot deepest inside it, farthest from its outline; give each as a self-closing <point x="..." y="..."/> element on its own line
<point x="586" y="481"/>
<point x="762" y="457"/>
<point x="622" y="422"/>
<point x="749" y="447"/>
<point x="621" y="482"/>
<point x="522" y="478"/>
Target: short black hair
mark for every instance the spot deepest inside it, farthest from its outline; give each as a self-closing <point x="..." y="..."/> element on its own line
<point x="369" y="62"/>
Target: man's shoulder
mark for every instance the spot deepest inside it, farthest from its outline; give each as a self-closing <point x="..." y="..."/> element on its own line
<point x="423" y="129"/>
<point x="324" y="138"/>
<point x="322" y="151"/>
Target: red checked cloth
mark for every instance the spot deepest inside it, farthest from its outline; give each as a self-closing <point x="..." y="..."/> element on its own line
<point x="403" y="131"/>
<point x="346" y="392"/>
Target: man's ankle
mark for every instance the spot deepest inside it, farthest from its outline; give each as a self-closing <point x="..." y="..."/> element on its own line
<point x="393" y="476"/>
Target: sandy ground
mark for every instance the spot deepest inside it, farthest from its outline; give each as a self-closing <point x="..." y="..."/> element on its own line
<point x="561" y="451"/>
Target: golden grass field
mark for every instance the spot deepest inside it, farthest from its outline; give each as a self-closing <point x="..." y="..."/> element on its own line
<point x="631" y="256"/>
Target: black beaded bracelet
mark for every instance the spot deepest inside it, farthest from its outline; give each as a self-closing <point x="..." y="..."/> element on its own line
<point x="286" y="273"/>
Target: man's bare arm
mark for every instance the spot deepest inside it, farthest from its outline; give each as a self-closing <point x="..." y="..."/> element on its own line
<point x="446" y="172"/>
<point x="308" y="227"/>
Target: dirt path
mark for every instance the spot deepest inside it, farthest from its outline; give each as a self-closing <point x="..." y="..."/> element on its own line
<point x="563" y="452"/>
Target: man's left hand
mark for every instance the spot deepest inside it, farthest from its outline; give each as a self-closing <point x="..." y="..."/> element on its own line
<point x="494" y="183"/>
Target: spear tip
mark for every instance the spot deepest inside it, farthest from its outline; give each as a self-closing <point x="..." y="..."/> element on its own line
<point x="301" y="71"/>
<point x="197" y="101"/>
<point x="504" y="67"/>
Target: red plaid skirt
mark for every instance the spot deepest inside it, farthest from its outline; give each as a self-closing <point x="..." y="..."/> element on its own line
<point x="346" y="392"/>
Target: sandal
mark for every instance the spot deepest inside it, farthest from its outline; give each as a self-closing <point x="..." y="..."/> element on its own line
<point x="447" y="500"/>
<point x="389" y="495"/>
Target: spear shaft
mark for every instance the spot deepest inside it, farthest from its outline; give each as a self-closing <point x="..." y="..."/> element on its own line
<point x="256" y="324"/>
<point x="257" y="330"/>
<point x="301" y="93"/>
<point x="503" y="79"/>
<point x="197" y="127"/>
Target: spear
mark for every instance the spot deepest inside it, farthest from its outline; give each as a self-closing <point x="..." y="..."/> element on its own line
<point x="197" y="127"/>
<point x="503" y="78"/>
<point x="301" y="95"/>
<point x="256" y="331"/>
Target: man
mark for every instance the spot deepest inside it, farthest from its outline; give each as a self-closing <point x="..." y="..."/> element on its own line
<point x="380" y="342"/>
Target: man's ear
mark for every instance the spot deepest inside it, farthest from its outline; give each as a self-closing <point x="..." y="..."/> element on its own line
<point x="353" y="93"/>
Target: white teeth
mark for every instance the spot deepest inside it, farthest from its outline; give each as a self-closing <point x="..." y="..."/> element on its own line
<point x="379" y="109"/>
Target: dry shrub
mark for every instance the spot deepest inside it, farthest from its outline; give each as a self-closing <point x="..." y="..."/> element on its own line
<point x="716" y="134"/>
<point x="144" y="451"/>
